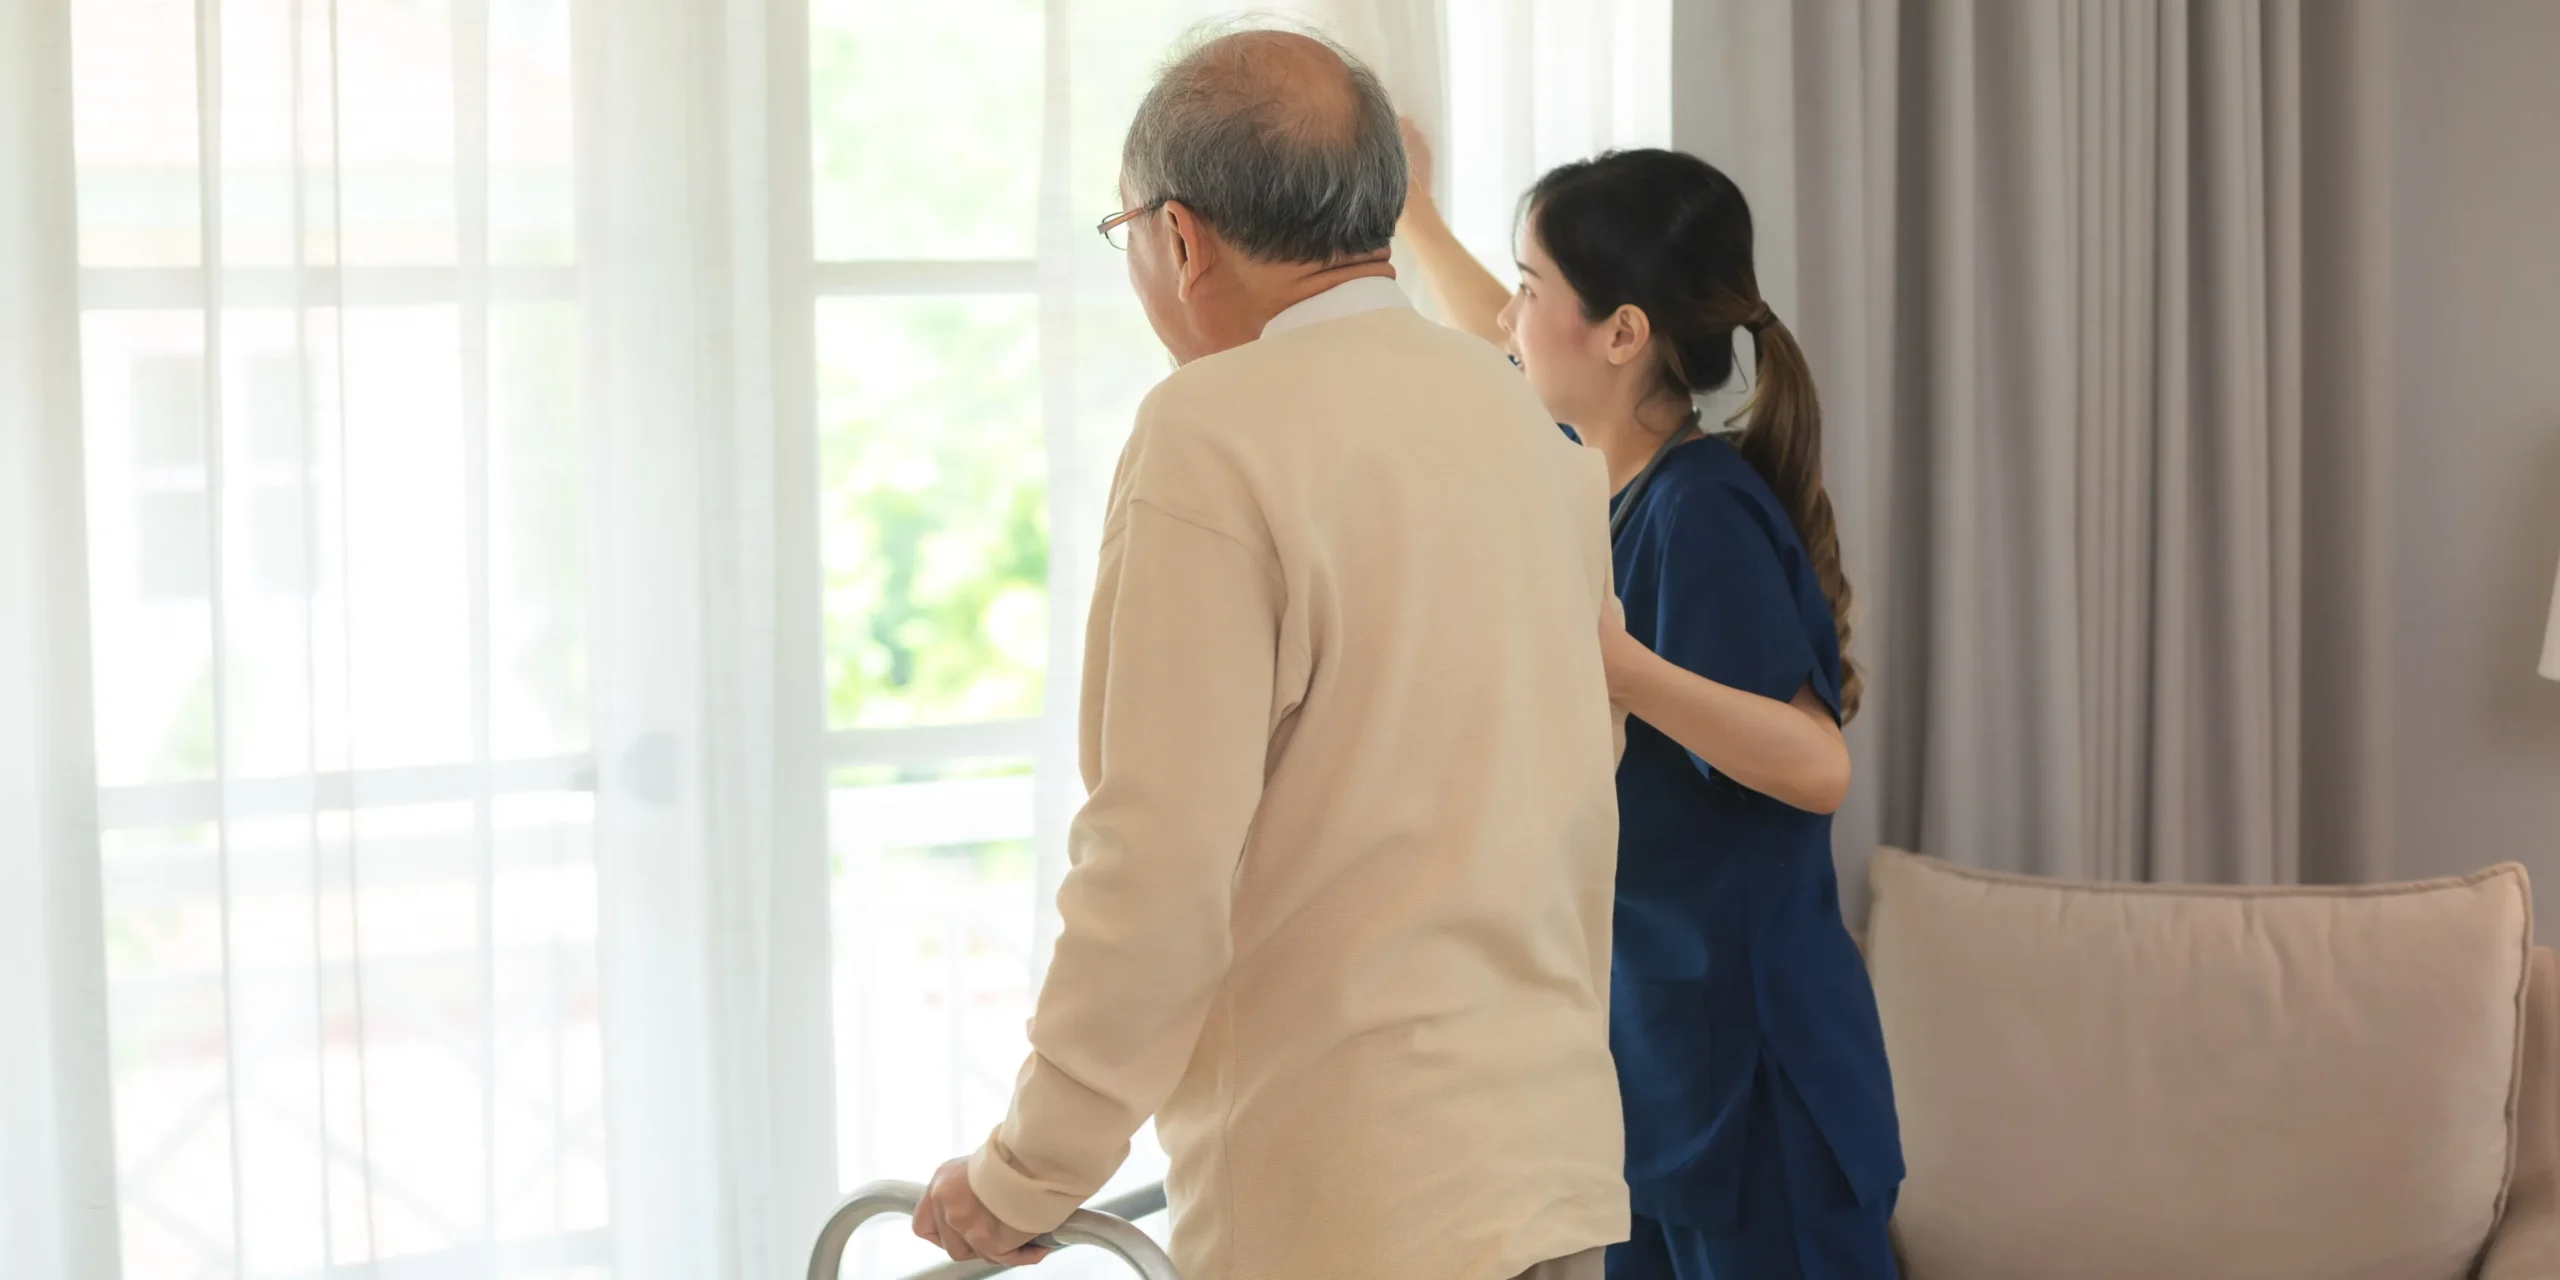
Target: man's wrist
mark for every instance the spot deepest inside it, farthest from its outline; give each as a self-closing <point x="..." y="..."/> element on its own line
<point x="1014" y="1197"/>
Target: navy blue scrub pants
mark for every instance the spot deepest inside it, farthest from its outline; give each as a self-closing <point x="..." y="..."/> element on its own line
<point x="1799" y="1220"/>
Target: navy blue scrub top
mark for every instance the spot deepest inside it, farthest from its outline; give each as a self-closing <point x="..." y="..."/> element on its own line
<point x="1730" y="946"/>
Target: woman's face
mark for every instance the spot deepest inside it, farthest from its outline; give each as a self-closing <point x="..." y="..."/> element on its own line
<point x="1577" y="367"/>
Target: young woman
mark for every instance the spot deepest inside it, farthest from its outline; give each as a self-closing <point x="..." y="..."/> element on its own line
<point x="1761" y="1139"/>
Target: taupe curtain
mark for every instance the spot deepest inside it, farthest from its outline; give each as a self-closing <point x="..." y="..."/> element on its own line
<point x="2097" y="296"/>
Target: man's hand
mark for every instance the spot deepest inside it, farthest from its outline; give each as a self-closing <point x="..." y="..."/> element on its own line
<point x="953" y="1218"/>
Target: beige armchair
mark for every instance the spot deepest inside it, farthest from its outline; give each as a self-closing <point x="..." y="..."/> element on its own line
<point x="2124" y="1082"/>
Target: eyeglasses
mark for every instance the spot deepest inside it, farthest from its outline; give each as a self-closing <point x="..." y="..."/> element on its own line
<point x="1115" y="229"/>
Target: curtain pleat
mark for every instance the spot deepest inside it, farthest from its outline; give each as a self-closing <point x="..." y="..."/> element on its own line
<point x="57" y="1145"/>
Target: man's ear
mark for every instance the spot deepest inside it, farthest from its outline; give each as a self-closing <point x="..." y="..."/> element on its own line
<point x="1194" y="249"/>
<point x="1630" y="331"/>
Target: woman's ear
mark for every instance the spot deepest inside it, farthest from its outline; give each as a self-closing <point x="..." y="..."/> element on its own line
<point x="1629" y="333"/>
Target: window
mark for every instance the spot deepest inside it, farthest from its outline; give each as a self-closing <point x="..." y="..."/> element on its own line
<point x="338" y="444"/>
<point x="979" y="357"/>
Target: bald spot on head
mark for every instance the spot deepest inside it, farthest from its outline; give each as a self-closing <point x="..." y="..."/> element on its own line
<point x="1296" y="85"/>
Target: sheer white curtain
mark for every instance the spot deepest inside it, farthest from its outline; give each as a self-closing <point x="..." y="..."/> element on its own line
<point x="457" y="846"/>
<point x="57" y="1167"/>
<point x="704" y="662"/>
<point x="1531" y="84"/>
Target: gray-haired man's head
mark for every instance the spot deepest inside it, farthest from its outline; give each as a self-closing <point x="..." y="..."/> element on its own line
<point x="1283" y="143"/>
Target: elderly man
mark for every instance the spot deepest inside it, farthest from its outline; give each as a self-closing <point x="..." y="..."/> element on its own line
<point x="1340" y="907"/>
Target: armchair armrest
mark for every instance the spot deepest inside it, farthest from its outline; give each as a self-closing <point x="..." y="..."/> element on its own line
<point x="2526" y="1243"/>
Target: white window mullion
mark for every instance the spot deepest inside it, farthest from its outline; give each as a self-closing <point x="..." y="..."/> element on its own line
<point x="352" y="860"/>
<point x="1057" y="788"/>
<point x="801" y="897"/>
<point x="925" y="279"/>
<point x="471" y="218"/>
<point x="210" y="251"/>
<point x="925" y="746"/>
<point x="306" y="485"/>
<point x="181" y="804"/>
<point x="316" y="285"/>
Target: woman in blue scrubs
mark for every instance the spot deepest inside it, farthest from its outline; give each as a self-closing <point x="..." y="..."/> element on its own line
<point x="1761" y="1137"/>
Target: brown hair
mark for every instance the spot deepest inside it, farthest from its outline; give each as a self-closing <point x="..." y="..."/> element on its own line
<point x="1670" y="234"/>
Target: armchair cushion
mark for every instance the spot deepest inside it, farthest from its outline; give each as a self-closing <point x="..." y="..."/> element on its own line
<point x="2129" y="1082"/>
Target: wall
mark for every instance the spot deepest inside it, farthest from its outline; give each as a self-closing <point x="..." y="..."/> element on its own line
<point x="2478" y="493"/>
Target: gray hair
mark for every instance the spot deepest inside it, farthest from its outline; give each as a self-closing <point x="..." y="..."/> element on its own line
<point x="1280" y="178"/>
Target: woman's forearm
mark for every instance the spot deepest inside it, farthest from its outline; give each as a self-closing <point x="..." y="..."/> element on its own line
<point x="1788" y="751"/>
<point x="1469" y="297"/>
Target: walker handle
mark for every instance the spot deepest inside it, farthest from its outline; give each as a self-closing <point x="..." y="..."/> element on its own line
<point x="1087" y="1226"/>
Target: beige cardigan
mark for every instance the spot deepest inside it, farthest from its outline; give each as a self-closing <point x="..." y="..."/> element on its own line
<point x="1340" y="904"/>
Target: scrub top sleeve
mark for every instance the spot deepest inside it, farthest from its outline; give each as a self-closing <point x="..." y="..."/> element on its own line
<point x="1726" y="607"/>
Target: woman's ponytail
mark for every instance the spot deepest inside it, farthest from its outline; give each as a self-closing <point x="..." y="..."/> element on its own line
<point x="1782" y="440"/>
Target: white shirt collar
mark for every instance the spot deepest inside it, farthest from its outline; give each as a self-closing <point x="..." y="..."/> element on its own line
<point x="1349" y="298"/>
